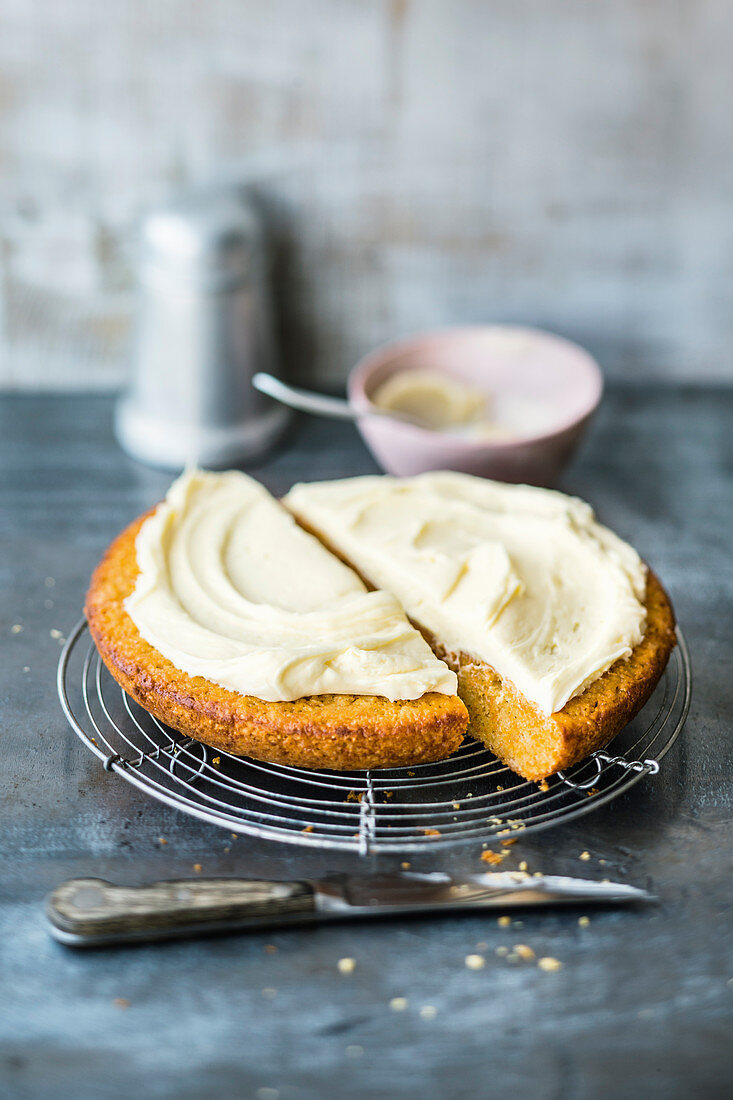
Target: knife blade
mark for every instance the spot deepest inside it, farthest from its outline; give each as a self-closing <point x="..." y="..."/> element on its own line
<point x="88" y="912"/>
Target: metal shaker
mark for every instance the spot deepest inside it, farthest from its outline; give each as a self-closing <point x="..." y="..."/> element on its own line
<point x="203" y="329"/>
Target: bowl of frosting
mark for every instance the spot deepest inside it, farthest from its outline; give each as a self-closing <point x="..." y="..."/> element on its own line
<point x="496" y="401"/>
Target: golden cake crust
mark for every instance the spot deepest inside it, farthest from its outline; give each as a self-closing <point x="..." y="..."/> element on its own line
<point x="338" y="732"/>
<point x="537" y="745"/>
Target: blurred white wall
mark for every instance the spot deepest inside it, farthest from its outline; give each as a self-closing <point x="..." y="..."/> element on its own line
<point x="564" y="163"/>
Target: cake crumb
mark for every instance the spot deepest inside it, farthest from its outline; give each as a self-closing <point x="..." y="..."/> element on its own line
<point x="585" y="856"/>
<point x="475" y="962"/>
<point x="54" y="633"/>
<point x="523" y="865"/>
<point x="197" y="868"/>
<point x="428" y="1012"/>
<point x="216" y="761"/>
<point x="543" y="785"/>
<point x="346" y="966"/>
<point x="162" y="841"/>
<point x="549" y="964"/>
<point x="308" y="829"/>
<point x="431" y="832"/>
<point x="16" y="628"/>
<point x="406" y="865"/>
<point x="121" y="1002"/>
<point x="227" y="850"/>
<point x="583" y="921"/>
<point x="271" y="948"/>
<point x="524" y="951"/>
<point x="492" y="857"/>
<point x="398" y="1004"/>
<point x="504" y="922"/>
<point x="456" y="805"/>
<point x="234" y="835"/>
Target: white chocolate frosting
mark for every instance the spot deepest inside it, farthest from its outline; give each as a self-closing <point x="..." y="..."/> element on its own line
<point x="232" y="589"/>
<point x="524" y="579"/>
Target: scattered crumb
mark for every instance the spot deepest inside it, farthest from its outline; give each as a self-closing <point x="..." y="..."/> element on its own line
<point x="500" y="788"/>
<point x="388" y="794"/>
<point x="216" y="761"/>
<point x="352" y="796"/>
<point x="523" y="951"/>
<point x="456" y="805"/>
<point x="431" y="832"/>
<point x="121" y="1002"/>
<point x="537" y="874"/>
<point x="543" y="785"/>
<point x="492" y="857"/>
<point x="308" y="829"/>
<point x="506" y="843"/>
<point x="54" y="633"/>
<point x="197" y="868"/>
<point x="269" y="993"/>
<point x="162" y="840"/>
<point x="27" y="668"/>
<point x="548" y="963"/>
<point x="354" y="1051"/>
<point x="271" y="948"/>
<point x="523" y="865"/>
<point x="504" y="922"/>
<point x="406" y="866"/>
<point x="592" y="791"/>
<point x="583" y="921"/>
<point x="346" y="966"/>
<point x="17" y="628"/>
<point x="398" y="1004"/>
<point x="410" y="774"/>
<point x="502" y="952"/>
<point x="585" y="856"/>
<point x="428" y="1012"/>
<point x="475" y="962"/>
<point x="603" y="862"/>
<point x="234" y="835"/>
<point x="227" y="850"/>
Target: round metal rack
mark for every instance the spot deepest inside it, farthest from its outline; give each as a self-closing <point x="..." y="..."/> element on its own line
<point x="471" y="796"/>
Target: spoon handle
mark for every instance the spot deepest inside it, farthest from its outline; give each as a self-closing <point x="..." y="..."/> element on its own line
<point x="301" y="399"/>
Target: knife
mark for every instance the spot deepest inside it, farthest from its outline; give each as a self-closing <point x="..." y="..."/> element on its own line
<point x="86" y="912"/>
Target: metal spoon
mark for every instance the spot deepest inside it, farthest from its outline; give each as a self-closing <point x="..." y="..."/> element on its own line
<point x="335" y="407"/>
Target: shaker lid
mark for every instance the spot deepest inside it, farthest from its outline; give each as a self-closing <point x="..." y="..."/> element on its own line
<point x="209" y="238"/>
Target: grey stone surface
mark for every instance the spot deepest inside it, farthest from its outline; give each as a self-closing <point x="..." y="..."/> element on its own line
<point x="643" y="1004"/>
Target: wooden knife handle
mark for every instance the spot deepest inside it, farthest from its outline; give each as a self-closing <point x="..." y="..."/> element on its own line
<point x="86" y="912"/>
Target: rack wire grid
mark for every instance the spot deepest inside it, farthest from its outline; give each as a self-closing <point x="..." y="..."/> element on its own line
<point x="471" y="796"/>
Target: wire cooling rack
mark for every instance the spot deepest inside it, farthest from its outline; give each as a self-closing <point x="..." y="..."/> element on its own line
<point x="469" y="797"/>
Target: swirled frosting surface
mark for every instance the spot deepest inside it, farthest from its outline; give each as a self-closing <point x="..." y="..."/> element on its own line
<point x="524" y="579"/>
<point x="232" y="589"/>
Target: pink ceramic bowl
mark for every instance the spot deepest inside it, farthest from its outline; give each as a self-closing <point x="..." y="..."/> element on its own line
<point x="546" y="387"/>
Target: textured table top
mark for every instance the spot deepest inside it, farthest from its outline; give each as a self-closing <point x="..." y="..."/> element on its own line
<point x="643" y="1003"/>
